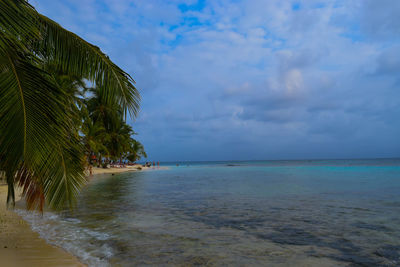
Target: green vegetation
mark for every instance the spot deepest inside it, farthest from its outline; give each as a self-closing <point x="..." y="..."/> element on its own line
<point x="50" y="122"/>
<point x="105" y="133"/>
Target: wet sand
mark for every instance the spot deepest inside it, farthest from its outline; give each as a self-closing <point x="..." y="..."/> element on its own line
<point x="20" y="246"/>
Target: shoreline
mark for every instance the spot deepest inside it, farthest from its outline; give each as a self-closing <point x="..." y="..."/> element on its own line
<point x="133" y="168"/>
<point x="21" y="246"/>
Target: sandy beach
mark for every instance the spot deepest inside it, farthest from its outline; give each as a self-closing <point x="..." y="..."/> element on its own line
<point x="20" y="246"/>
<point x="131" y="168"/>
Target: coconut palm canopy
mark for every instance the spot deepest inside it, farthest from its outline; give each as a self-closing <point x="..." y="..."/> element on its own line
<point x="40" y="144"/>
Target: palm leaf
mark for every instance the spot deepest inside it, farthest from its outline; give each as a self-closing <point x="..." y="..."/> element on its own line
<point x="39" y="144"/>
<point x="76" y="56"/>
<point x="18" y="18"/>
<point x="35" y="122"/>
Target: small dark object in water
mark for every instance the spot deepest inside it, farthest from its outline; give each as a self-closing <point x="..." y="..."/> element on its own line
<point x="232" y="165"/>
<point x="112" y="174"/>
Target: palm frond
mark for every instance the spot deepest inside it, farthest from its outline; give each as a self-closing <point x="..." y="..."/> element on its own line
<point x="19" y="18"/>
<point x="76" y="56"/>
<point x="32" y="188"/>
<point x="39" y="141"/>
<point x="35" y="122"/>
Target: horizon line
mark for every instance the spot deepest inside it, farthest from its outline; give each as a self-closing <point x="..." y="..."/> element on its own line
<point x="305" y="159"/>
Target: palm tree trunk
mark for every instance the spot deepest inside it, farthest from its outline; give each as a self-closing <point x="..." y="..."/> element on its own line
<point x="11" y="192"/>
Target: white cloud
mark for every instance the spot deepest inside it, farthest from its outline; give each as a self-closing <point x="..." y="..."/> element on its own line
<point x="255" y="71"/>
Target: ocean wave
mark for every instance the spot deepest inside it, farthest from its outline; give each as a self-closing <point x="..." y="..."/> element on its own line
<point x="67" y="234"/>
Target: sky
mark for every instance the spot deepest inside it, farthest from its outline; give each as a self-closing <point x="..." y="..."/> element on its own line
<point x="252" y="80"/>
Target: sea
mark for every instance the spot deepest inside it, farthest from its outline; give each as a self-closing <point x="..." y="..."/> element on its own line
<point x="236" y="213"/>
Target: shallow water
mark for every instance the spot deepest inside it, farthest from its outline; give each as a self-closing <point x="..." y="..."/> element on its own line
<point x="303" y="213"/>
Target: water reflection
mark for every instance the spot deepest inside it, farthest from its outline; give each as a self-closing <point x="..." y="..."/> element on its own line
<point x="104" y="200"/>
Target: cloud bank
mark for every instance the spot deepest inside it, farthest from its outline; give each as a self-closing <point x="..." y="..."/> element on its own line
<point x="229" y="79"/>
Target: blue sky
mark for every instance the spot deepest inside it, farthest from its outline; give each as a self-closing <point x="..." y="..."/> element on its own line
<point x="260" y="79"/>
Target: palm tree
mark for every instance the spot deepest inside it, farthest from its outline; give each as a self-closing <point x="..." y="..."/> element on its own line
<point x="102" y="110"/>
<point x="136" y="151"/>
<point x="94" y="135"/>
<point x="75" y="88"/>
<point x="37" y="147"/>
<point x="118" y="139"/>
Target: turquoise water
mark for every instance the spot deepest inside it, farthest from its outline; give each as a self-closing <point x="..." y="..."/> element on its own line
<point x="275" y="213"/>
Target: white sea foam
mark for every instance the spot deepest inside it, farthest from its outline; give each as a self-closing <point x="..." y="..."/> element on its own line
<point x="67" y="234"/>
